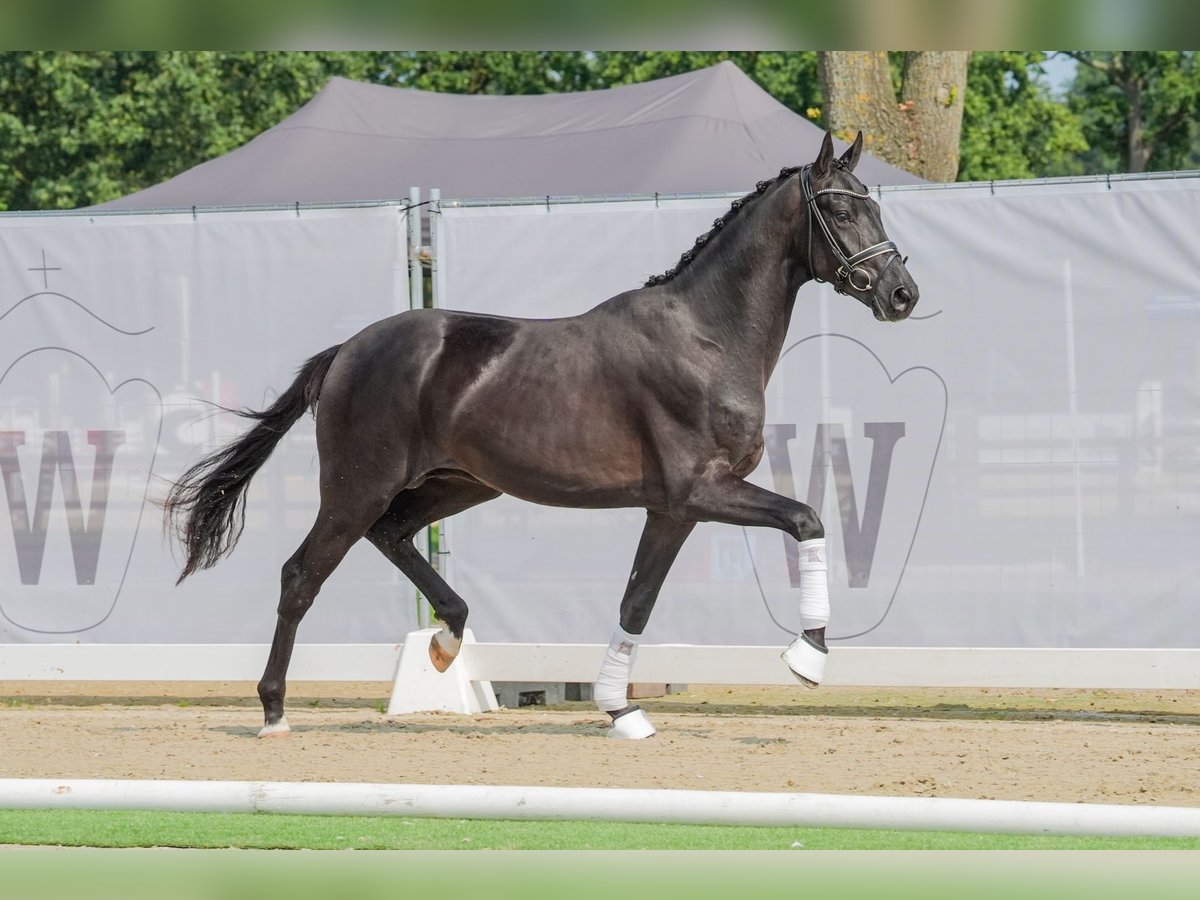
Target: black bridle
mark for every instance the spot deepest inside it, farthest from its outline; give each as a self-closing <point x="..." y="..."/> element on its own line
<point x="847" y="265"/>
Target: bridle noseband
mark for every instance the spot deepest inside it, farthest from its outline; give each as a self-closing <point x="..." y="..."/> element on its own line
<point x="847" y="265"/>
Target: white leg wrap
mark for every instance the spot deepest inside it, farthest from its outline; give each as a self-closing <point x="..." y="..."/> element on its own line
<point x="814" y="584"/>
<point x="612" y="684"/>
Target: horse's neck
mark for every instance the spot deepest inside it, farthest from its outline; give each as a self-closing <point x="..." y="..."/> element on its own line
<point x="745" y="290"/>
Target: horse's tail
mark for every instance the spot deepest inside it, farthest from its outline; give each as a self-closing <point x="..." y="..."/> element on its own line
<point x="207" y="505"/>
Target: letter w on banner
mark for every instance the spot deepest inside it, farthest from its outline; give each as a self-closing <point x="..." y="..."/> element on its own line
<point x="858" y="444"/>
<point x="76" y="453"/>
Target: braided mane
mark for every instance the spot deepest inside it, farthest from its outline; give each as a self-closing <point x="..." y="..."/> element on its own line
<point x="734" y="209"/>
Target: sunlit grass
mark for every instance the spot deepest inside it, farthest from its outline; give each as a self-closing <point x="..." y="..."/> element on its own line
<point x="88" y="828"/>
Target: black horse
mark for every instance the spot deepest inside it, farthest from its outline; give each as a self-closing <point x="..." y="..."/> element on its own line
<point x="653" y="399"/>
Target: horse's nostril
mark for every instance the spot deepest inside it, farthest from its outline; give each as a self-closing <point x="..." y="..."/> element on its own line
<point x="901" y="298"/>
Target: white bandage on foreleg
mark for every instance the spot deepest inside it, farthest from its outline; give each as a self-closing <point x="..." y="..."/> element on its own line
<point x="612" y="684"/>
<point x="814" y="584"/>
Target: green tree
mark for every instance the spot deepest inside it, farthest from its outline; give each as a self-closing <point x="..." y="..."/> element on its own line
<point x="490" y="71"/>
<point x="1012" y="126"/>
<point x="1138" y="107"/>
<point x="81" y="128"/>
<point x="789" y="77"/>
<point x="58" y="125"/>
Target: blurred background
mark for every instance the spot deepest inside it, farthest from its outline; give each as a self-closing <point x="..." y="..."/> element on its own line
<point x="82" y="127"/>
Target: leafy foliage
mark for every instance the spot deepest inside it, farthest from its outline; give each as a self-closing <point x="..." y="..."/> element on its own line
<point x="1012" y="126"/>
<point x="1139" y="109"/>
<point x="78" y="128"/>
<point x="789" y="77"/>
<point x="490" y="71"/>
<point x="82" y="128"/>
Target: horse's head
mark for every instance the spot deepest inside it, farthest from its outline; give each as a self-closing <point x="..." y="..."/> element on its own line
<point x="847" y="245"/>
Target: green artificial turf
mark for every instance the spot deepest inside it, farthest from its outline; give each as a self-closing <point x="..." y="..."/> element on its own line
<point x="88" y="828"/>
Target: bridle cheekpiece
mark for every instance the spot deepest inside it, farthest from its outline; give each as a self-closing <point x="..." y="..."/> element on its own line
<point x="848" y="266"/>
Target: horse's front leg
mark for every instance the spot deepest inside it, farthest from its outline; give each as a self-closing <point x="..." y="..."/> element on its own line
<point x="724" y="497"/>
<point x="661" y="539"/>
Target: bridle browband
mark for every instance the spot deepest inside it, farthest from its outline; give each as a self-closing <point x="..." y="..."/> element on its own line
<point x="847" y="265"/>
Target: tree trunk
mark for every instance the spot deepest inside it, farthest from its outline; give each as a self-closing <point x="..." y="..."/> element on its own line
<point x="1137" y="151"/>
<point x="919" y="132"/>
<point x="857" y="86"/>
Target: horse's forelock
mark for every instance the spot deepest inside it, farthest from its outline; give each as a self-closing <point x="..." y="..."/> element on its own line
<point x="847" y="180"/>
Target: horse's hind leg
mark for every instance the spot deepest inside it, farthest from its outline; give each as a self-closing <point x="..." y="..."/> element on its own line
<point x="393" y="532"/>
<point x="661" y="541"/>
<point x="327" y="543"/>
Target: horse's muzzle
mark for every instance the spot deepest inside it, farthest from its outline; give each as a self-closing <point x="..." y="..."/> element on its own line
<point x="898" y="306"/>
<point x="903" y="301"/>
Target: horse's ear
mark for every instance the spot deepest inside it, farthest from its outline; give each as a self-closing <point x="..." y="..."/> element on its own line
<point x="825" y="157"/>
<point x="850" y="157"/>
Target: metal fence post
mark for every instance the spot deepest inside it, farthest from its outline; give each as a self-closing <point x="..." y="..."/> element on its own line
<point x="416" y="300"/>
<point x="436" y="533"/>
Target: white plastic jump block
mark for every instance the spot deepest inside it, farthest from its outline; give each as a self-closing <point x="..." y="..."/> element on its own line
<point x="419" y="687"/>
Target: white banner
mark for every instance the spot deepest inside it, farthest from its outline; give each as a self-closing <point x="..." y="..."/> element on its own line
<point x="118" y="334"/>
<point x="1016" y="465"/>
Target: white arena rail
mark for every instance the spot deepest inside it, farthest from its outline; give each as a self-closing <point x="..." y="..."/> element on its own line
<point x="992" y="667"/>
<point x="603" y="804"/>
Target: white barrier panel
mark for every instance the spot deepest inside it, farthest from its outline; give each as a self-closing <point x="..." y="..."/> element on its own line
<point x="1014" y="466"/>
<point x="118" y="335"/>
<point x="603" y="804"/>
<point x="657" y="663"/>
<point x="1041" y="494"/>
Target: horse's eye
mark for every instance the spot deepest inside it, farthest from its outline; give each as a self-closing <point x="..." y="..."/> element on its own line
<point x="842" y="216"/>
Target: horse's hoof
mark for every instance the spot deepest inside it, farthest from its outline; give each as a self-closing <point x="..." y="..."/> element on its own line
<point x="806" y="660"/>
<point x="438" y="656"/>
<point x="630" y="724"/>
<point x="275" y="729"/>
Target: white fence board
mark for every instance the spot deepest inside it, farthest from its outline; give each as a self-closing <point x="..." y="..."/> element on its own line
<point x="656" y="663"/>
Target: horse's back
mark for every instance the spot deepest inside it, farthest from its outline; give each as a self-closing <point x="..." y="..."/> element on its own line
<point x="550" y="410"/>
<point x="540" y="408"/>
<point x="401" y="388"/>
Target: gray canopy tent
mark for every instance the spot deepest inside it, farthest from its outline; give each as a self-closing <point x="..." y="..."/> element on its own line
<point x="709" y="130"/>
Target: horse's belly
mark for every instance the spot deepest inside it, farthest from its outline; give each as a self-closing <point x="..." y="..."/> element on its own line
<point x="551" y="419"/>
<point x="586" y="461"/>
